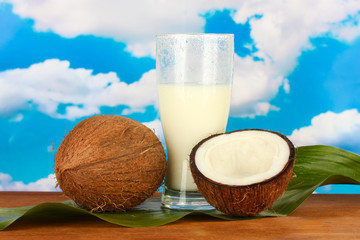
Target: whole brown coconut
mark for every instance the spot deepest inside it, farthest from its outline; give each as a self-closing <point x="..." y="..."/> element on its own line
<point x="110" y="163"/>
<point x="242" y="173"/>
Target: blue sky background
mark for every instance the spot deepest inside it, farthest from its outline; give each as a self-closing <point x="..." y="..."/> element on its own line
<point x="296" y="71"/>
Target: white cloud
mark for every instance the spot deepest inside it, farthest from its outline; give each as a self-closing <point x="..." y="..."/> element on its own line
<point x="326" y="188"/>
<point x="51" y="83"/>
<point x="349" y="29"/>
<point x="43" y="184"/>
<point x="136" y="22"/>
<point x="286" y="26"/>
<point x="330" y="129"/>
<point x="17" y="118"/>
<point x="155" y="125"/>
<point x="255" y="83"/>
<point x="280" y="35"/>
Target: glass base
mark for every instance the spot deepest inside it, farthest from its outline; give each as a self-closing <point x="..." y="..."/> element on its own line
<point x="182" y="200"/>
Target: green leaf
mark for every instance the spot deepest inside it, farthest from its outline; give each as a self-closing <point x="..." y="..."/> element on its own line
<point x="315" y="166"/>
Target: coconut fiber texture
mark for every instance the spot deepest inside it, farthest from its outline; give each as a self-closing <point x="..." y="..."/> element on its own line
<point x="110" y="163"/>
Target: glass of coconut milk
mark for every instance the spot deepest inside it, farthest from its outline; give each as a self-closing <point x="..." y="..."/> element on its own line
<point x="194" y="79"/>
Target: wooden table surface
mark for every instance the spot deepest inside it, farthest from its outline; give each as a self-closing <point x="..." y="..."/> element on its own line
<point x="321" y="216"/>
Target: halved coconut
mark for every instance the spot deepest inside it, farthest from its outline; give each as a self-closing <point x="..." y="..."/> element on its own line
<point x="242" y="173"/>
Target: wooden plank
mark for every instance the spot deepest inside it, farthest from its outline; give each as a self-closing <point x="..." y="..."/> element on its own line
<point x="320" y="217"/>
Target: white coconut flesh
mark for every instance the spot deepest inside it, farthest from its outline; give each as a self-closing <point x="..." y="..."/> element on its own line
<point x="242" y="158"/>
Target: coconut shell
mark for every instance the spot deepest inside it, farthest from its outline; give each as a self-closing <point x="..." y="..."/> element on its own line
<point x="110" y="163"/>
<point x="243" y="200"/>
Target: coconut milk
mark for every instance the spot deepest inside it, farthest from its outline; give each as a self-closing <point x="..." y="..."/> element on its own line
<point x="189" y="113"/>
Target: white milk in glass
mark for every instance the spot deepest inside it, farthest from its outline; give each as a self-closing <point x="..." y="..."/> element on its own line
<point x="189" y="113"/>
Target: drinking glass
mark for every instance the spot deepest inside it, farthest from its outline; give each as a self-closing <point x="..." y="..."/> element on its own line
<point x="194" y="80"/>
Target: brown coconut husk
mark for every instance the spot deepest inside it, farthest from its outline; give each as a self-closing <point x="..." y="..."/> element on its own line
<point x="110" y="163"/>
<point x="243" y="200"/>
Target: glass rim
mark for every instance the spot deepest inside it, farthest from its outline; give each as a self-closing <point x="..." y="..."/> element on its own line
<point x="227" y="35"/>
